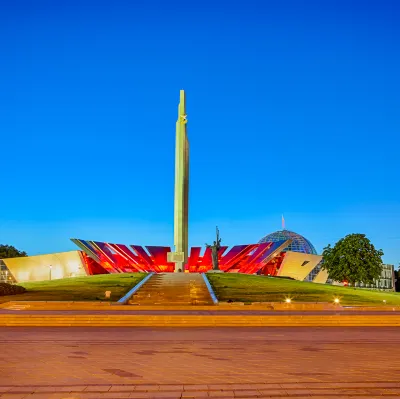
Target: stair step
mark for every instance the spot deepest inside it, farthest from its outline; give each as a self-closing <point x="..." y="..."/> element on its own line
<point x="173" y="289"/>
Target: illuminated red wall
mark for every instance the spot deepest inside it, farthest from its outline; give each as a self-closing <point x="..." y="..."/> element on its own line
<point x="102" y="258"/>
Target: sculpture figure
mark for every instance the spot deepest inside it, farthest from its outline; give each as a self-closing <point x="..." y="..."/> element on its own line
<point x="214" y="250"/>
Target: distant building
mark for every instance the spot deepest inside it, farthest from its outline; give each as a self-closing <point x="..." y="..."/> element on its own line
<point x="386" y="282"/>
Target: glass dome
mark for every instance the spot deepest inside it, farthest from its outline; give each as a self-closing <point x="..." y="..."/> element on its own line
<point x="299" y="243"/>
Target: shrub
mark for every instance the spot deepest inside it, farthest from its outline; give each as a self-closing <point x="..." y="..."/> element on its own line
<point x="10" y="289"/>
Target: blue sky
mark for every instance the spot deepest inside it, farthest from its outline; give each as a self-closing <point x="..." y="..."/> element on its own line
<point x="293" y="108"/>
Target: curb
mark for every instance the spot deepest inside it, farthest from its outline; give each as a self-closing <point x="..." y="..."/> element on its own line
<point x="210" y="290"/>
<point x="115" y="306"/>
<point x="129" y="294"/>
<point x="229" y="390"/>
<point x="223" y="306"/>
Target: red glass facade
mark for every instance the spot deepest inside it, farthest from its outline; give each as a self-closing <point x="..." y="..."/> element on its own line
<point x="102" y="258"/>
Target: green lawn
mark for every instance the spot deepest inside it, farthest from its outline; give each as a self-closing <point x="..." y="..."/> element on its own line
<point x="88" y="288"/>
<point x="251" y="288"/>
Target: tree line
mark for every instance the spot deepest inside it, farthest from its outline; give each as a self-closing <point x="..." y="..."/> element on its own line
<point x="8" y="251"/>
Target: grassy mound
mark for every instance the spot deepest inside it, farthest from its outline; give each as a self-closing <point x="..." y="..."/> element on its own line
<point x="10" y="289"/>
<point x="88" y="288"/>
<point x="250" y="288"/>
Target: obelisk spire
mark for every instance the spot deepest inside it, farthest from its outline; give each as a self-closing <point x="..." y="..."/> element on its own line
<point x="179" y="257"/>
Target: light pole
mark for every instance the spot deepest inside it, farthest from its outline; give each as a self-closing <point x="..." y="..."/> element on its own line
<point x="50" y="267"/>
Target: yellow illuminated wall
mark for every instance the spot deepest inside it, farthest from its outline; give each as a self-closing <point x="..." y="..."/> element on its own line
<point x="298" y="265"/>
<point x="37" y="268"/>
<point x="321" y="277"/>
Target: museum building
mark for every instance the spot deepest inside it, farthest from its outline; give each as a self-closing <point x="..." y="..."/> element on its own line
<point x="280" y="254"/>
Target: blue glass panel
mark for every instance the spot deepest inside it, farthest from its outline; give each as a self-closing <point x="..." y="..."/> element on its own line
<point x="299" y="243"/>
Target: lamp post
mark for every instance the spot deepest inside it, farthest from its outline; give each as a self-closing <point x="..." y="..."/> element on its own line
<point x="50" y="267"/>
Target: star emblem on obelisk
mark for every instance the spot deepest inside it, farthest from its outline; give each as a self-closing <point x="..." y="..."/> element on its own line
<point x="183" y="118"/>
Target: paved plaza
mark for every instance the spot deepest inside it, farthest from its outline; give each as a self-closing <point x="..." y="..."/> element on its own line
<point x="88" y="363"/>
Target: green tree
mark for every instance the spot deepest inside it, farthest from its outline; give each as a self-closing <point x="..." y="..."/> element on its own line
<point x="397" y="279"/>
<point x="353" y="259"/>
<point x="8" y="251"/>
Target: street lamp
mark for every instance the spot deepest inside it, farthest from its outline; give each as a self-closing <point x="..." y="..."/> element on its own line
<point x="50" y="267"/>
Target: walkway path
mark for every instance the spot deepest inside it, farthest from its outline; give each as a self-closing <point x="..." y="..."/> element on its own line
<point x="88" y="363"/>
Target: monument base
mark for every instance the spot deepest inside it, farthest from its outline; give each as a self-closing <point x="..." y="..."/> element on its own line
<point x="215" y="271"/>
<point x="178" y="258"/>
<point x="179" y="267"/>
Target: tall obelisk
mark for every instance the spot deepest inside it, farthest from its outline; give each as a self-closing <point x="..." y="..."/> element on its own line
<point x="181" y="205"/>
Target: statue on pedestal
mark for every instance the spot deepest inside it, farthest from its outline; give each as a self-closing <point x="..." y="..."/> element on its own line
<point x="214" y="250"/>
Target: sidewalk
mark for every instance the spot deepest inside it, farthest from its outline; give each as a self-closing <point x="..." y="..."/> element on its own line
<point x="190" y="320"/>
<point x="89" y="363"/>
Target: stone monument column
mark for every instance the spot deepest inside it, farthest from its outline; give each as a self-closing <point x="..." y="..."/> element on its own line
<point x="181" y="200"/>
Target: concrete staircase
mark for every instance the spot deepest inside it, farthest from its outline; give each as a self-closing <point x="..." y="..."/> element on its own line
<point x="166" y="289"/>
